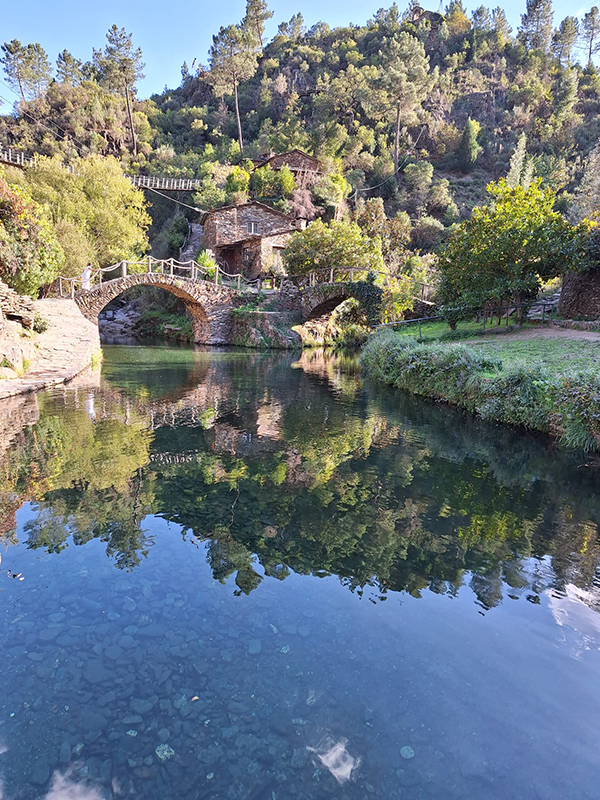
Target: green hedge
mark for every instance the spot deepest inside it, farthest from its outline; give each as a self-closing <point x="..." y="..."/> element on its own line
<point x="567" y="406"/>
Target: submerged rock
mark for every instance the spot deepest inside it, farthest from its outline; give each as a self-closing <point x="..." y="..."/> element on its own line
<point x="164" y="752"/>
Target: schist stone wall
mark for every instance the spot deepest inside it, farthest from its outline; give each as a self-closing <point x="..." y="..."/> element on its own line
<point x="580" y="295"/>
<point x="226" y="226"/>
<point x="208" y="305"/>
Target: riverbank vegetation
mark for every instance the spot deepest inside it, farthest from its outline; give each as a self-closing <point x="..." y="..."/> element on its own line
<point x="555" y="394"/>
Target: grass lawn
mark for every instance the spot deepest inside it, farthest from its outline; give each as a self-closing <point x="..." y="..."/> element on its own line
<point x="439" y="331"/>
<point x="558" y="356"/>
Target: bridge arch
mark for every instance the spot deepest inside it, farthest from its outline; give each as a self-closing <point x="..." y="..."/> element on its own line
<point x="209" y="306"/>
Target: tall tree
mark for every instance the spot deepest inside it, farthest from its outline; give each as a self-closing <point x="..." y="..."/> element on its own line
<point x="68" y="68"/>
<point x="591" y="33"/>
<point x="293" y="29"/>
<point x="500" y="25"/>
<point x="536" y="25"/>
<point x="468" y="148"/>
<point x="27" y="68"/>
<point x="586" y="202"/>
<point x="404" y="78"/>
<point x="517" y="163"/>
<point x="14" y="61"/>
<point x="120" y="67"/>
<point x="257" y="13"/>
<point x="564" y="40"/>
<point x="232" y="60"/>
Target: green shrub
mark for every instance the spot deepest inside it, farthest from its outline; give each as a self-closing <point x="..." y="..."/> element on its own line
<point x="567" y="407"/>
<point x="39" y="323"/>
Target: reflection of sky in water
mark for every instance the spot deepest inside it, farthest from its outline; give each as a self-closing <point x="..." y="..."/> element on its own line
<point x="244" y="628"/>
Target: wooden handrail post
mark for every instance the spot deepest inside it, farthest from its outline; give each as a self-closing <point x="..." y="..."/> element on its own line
<point x="171" y="267"/>
<point x="239" y="278"/>
<point x="123" y="269"/>
<point x="100" y="277"/>
<point x="331" y="276"/>
<point x="59" y="286"/>
<point x="149" y="263"/>
<point x="216" y="274"/>
<point x="72" y="288"/>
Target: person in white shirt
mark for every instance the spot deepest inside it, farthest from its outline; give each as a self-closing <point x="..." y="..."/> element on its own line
<point x="86" y="278"/>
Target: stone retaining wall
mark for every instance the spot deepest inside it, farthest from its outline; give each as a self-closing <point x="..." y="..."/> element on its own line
<point x="580" y="295"/>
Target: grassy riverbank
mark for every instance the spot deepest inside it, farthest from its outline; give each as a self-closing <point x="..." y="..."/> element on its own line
<point x="550" y="385"/>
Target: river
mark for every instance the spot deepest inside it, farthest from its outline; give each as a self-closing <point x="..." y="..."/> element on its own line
<point x="249" y="576"/>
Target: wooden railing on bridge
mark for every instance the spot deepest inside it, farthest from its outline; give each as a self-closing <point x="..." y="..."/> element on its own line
<point x="166" y="184"/>
<point x="18" y="158"/>
<point x="191" y="270"/>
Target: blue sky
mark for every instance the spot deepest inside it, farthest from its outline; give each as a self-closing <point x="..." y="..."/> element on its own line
<point x="170" y="35"/>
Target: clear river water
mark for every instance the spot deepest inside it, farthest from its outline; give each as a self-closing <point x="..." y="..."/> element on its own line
<point x="251" y="576"/>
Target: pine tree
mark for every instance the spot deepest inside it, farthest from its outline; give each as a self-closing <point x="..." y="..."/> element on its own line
<point x="591" y="32"/>
<point x="232" y="60"/>
<point x="293" y="29"/>
<point x="468" y="149"/>
<point x="517" y="163"/>
<point x="564" y="40"/>
<point x="119" y="67"/>
<point x="586" y="203"/>
<point x="68" y="68"/>
<point x="536" y="25"/>
<point x="27" y="69"/>
<point x="500" y="25"/>
<point x="404" y="80"/>
<point x="257" y="13"/>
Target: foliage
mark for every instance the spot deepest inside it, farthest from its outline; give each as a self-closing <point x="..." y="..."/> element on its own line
<point x="504" y="251"/>
<point x="267" y="183"/>
<point x="237" y="181"/>
<point x="567" y="405"/>
<point x="96" y="211"/>
<point x="177" y="233"/>
<point x="468" y="148"/>
<point x="337" y="244"/>
<point x="30" y="255"/>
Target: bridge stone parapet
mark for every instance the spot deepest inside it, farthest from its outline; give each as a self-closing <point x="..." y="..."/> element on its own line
<point x="208" y="305"/>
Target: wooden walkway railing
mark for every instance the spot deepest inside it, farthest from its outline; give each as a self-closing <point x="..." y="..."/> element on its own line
<point x="18" y="158"/>
<point x="166" y="184"/>
<point x="191" y="270"/>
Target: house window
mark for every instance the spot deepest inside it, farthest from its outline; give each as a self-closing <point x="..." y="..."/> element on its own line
<point x="253" y="227"/>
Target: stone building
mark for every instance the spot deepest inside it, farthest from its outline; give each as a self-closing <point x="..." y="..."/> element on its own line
<point x="248" y="238"/>
<point x="296" y="160"/>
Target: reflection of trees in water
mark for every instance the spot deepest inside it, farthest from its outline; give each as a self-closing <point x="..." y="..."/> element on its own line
<point x="278" y="474"/>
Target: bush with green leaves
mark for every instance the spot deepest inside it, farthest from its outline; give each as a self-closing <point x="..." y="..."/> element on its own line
<point x="566" y="406"/>
<point x="30" y="254"/>
<point x="336" y="244"/>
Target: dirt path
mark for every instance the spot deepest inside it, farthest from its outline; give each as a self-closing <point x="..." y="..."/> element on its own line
<point x="538" y="333"/>
<point x="64" y="350"/>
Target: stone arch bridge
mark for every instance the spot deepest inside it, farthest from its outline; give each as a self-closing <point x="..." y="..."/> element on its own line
<point x="210" y="300"/>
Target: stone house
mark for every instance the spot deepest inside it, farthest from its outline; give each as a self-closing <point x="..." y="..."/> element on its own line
<point x="297" y="161"/>
<point x="248" y="238"/>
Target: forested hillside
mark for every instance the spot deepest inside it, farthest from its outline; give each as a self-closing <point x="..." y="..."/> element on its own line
<point x="448" y="94"/>
<point x="415" y="110"/>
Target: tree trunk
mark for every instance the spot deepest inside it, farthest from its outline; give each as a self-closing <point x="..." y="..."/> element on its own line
<point x="397" y="147"/>
<point x="130" y="115"/>
<point x="237" y="114"/>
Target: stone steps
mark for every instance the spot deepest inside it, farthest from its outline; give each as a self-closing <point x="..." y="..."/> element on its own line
<point x="193" y="242"/>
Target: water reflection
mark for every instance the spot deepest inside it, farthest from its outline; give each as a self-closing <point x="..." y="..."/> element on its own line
<point x="298" y="470"/>
<point x="194" y="532"/>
